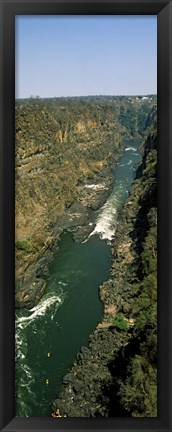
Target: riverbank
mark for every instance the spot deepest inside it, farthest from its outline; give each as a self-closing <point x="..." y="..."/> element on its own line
<point x="121" y="353"/>
<point x="64" y="182"/>
<point x="77" y="218"/>
<point x="60" y="324"/>
<point x="65" y="151"/>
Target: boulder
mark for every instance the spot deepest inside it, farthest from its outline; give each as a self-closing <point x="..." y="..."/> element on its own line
<point x="69" y="378"/>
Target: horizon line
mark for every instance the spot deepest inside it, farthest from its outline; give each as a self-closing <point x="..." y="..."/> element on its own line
<point x="85" y="96"/>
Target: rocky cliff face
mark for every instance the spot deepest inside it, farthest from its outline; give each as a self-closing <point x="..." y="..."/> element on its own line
<point x="116" y="374"/>
<point x="63" y="146"/>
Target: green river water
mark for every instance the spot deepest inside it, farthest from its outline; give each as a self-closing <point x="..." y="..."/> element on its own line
<point x="70" y="309"/>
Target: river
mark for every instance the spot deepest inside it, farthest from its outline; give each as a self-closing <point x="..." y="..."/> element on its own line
<point x="49" y="335"/>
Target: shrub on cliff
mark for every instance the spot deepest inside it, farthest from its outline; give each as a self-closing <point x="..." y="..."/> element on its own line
<point x="26" y="246"/>
<point x="120" y="323"/>
<point x="139" y="393"/>
<point x="138" y="388"/>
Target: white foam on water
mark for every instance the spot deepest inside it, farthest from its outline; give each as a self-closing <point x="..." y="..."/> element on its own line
<point x="96" y="186"/>
<point x="28" y="371"/>
<point x="62" y="283"/>
<point x="21" y="346"/>
<point x="24" y="393"/>
<point x="24" y="410"/>
<point x="40" y="309"/>
<point x="22" y="356"/>
<point x="26" y="379"/>
<point x="27" y="385"/>
<point x="131" y="148"/>
<point x="107" y="218"/>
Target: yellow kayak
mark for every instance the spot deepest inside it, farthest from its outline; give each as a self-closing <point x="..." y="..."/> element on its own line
<point x="47" y="381"/>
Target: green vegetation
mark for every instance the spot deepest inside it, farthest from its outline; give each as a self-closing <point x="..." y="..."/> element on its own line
<point x="63" y="144"/>
<point x="137" y="387"/>
<point x="120" y="323"/>
<point x="70" y="142"/>
<point x="139" y="392"/>
<point x="27" y="246"/>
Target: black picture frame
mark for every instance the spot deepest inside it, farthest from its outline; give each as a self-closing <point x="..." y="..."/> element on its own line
<point x="163" y="10"/>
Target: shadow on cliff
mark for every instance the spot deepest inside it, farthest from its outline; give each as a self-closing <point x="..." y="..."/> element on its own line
<point x="109" y="398"/>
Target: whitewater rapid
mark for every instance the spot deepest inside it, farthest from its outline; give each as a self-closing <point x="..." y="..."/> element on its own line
<point x="107" y="216"/>
<point x="29" y="317"/>
<point x="40" y="309"/>
<point x="51" y="326"/>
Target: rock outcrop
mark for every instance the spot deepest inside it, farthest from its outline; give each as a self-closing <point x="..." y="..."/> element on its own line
<point x="115" y="375"/>
<point x="65" y="151"/>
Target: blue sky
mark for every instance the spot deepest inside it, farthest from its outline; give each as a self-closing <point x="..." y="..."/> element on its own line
<point x="85" y="55"/>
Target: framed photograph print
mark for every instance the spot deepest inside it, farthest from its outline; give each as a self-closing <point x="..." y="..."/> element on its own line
<point x="86" y="215"/>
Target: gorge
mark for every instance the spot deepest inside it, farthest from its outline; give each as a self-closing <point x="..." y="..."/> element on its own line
<point x="76" y="159"/>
